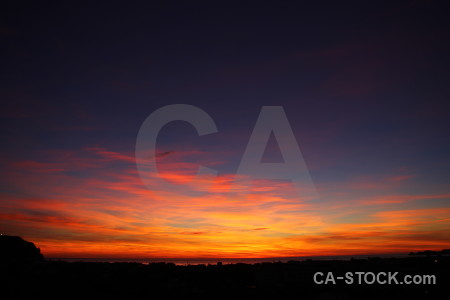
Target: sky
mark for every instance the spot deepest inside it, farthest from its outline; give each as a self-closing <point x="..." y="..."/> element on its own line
<point x="363" y="88"/>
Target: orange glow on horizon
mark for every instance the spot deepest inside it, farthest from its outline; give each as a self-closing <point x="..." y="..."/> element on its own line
<point x="113" y="215"/>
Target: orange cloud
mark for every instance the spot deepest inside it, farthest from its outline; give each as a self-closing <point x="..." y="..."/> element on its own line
<point x="108" y="212"/>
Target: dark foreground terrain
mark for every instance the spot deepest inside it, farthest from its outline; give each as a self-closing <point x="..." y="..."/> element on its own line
<point x="291" y="280"/>
<point x="25" y="274"/>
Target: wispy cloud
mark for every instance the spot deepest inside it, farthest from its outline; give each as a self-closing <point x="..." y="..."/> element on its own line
<point x="85" y="204"/>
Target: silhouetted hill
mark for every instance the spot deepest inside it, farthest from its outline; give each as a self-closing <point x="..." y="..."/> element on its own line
<point x="16" y="249"/>
<point x="431" y="253"/>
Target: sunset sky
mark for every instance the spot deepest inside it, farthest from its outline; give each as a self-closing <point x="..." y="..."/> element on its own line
<point x="365" y="88"/>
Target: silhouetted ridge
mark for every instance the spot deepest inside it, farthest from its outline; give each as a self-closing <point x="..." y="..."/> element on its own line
<point x="431" y="253"/>
<point x="16" y="249"/>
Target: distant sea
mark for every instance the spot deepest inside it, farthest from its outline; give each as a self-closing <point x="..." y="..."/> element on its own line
<point x="206" y="261"/>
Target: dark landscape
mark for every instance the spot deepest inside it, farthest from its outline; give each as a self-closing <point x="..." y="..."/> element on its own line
<point x="32" y="277"/>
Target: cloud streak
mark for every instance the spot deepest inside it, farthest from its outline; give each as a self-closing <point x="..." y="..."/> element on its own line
<point x="87" y="205"/>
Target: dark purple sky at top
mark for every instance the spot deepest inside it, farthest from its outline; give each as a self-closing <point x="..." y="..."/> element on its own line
<point x="364" y="85"/>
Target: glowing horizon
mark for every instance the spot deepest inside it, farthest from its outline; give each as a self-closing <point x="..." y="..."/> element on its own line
<point x="113" y="215"/>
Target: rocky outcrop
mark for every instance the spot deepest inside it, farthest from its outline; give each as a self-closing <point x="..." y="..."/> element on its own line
<point x="16" y="249"/>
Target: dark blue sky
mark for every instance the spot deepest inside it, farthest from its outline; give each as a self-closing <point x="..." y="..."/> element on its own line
<point x="76" y="74"/>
